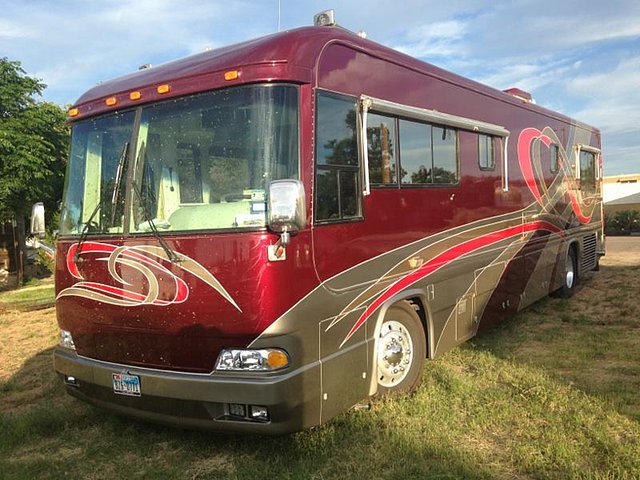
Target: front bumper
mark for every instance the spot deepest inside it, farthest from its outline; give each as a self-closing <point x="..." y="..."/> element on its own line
<point x="196" y="400"/>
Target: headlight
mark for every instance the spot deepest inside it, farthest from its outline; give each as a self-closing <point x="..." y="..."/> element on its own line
<point x="264" y="360"/>
<point x="66" y="340"/>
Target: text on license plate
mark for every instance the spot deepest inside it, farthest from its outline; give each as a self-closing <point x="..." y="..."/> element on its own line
<point x="125" y="384"/>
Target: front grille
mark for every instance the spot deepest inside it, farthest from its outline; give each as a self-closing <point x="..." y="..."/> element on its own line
<point x="588" y="252"/>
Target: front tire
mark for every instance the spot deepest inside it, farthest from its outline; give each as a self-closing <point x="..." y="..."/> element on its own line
<point x="401" y="350"/>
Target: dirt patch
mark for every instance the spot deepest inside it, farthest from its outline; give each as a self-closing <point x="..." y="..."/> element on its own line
<point x="24" y="336"/>
<point x="622" y="251"/>
<point x="26" y="368"/>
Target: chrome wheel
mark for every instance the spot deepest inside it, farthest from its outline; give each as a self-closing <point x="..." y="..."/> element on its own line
<point x="569" y="275"/>
<point x="395" y="353"/>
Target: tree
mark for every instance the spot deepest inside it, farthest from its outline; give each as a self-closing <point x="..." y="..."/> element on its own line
<point x="34" y="142"/>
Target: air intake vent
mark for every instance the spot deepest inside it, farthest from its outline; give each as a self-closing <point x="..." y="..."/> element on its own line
<point x="588" y="252"/>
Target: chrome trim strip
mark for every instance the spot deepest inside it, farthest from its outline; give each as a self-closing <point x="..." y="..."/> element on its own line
<point x="505" y="170"/>
<point x="434" y="116"/>
<point x="588" y="148"/>
<point x="366" y="105"/>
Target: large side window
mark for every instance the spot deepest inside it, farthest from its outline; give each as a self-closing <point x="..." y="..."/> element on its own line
<point x="445" y="154"/>
<point x="337" y="193"/>
<point x="381" y="137"/>
<point x="428" y="154"/>
<point x="415" y="153"/>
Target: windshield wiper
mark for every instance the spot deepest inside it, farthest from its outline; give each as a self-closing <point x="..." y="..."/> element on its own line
<point x="85" y="232"/>
<point x="171" y="255"/>
<point x="114" y="197"/>
<point x="118" y="180"/>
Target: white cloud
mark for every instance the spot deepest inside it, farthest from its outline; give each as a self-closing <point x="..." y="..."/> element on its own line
<point x="571" y="54"/>
<point x="526" y="76"/>
<point x="622" y="81"/>
<point x="13" y="30"/>
<point x="437" y="39"/>
<point x="611" y="101"/>
<point x="77" y="44"/>
<point x="579" y="30"/>
<point x="612" y="98"/>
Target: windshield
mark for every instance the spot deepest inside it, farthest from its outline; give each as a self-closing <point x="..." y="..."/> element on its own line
<point x="97" y="148"/>
<point x="201" y="162"/>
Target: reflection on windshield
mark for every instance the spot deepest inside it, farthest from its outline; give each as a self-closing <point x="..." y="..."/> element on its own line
<point x="98" y="147"/>
<point x="201" y="162"/>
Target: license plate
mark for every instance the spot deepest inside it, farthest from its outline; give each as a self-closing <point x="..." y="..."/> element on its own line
<point x="124" y="384"/>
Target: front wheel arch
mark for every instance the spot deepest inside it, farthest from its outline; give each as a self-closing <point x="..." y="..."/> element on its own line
<point x="400" y="350"/>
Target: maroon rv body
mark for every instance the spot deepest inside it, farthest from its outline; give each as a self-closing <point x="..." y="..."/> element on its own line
<point x="258" y="237"/>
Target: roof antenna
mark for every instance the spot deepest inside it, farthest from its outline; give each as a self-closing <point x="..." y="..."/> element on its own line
<point x="278" y="15"/>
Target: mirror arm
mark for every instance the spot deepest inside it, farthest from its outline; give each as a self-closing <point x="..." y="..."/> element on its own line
<point x="285" y="238"/>
<point x="277" y="251"/>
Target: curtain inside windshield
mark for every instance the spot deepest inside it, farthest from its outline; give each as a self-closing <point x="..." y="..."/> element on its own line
<point x="200" y="163"/>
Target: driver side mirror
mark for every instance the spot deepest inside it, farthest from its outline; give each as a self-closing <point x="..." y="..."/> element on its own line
<point x="37" y="220"/>
<point x="286" y="208"/>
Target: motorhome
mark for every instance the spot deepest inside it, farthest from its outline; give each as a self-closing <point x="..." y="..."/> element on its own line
<point x="258" y="237"/>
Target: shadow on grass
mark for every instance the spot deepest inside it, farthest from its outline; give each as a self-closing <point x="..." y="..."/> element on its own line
<point x="590" y="341"/>
<point x="520" y="401"/>
<point x="48" y="434"/>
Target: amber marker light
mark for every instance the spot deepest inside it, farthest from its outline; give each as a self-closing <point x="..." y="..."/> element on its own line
<point x="135" y="96"/>
<point x="111" y="101"/>
<point x="73" y="112"/>
<point x="231" y="75"/>
<point x="277" y="359"/>
<point x="163" y="89"/>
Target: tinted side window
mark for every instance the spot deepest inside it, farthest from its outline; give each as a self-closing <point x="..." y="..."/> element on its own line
<point x="486" y="152"/>
<point x="587" y="171"/>
<point x="445" y="155"/>
<point x="381" y="135"/>
<point x="336" y="131"/>
<point x="337" y="194"/>
<point x="348" y="181"/>
<point x="327" y="205"/>
<point x="415" y="153"/>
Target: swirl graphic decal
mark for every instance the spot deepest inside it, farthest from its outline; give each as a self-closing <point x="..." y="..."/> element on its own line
<point x="145" y="260"/>
<point x="547" y="214"/>
<point x="582" y="207"/>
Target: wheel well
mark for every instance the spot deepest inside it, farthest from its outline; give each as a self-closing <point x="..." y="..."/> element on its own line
<point x="418" y="306"/>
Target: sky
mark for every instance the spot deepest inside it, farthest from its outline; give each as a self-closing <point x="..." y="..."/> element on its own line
<point x="581" y="58"/>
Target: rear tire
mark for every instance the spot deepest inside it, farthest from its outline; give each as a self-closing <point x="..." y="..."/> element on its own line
<point x="570" y="278"/>
<point x="401" y="350"/>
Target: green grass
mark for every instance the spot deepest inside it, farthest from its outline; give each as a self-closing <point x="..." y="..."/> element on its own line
<point x="28" y="296"/>
<point x="538" y="397"/>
